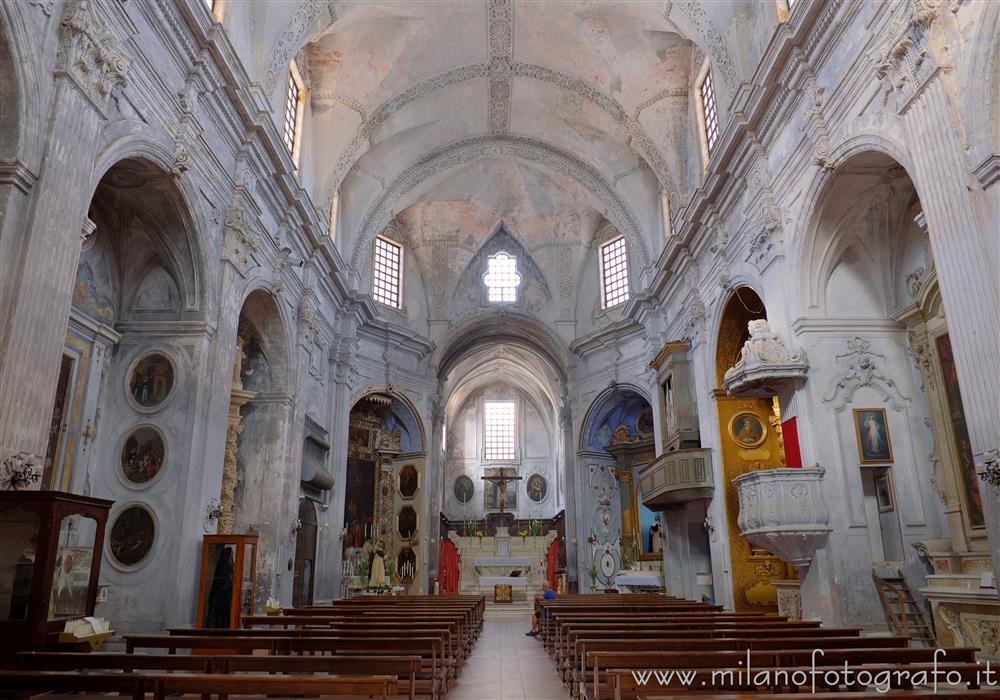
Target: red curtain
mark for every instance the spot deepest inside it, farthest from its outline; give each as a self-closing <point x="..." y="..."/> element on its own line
<point x="552" y="563"/>
<point x="790" y="433"/>
<point x="449" y="567"/>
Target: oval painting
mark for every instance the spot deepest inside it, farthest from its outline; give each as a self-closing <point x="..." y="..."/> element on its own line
<point x="747" y="429"/>
<point x="132" y="535"/>
<point x="464" y="489"/>
<point x="406" y="522"/>
<point x="537" y="488"/>
<point x="142" y="455"/>
<point x="152" y="380"/>
<point x="408" y="481"/>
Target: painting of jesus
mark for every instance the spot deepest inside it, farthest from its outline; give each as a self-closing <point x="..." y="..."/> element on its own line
<point x="872" y="432"/>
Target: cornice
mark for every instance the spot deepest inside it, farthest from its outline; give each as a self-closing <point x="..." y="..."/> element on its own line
<point x="605" y="337"/>
<point x="988" y="172"/>
<point x="16" y="173"/>
<point x="399" y="337"/>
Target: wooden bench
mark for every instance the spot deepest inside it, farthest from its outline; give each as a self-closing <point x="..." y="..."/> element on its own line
<point x="137" y="685"/>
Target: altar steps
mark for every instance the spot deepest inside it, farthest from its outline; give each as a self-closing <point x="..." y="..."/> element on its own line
<point x="506" y="611"/>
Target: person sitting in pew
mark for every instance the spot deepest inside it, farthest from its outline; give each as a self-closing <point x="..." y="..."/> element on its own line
<point x="547" y="594"/>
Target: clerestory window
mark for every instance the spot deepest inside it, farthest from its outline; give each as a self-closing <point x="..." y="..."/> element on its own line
<point x="502" y="278"/>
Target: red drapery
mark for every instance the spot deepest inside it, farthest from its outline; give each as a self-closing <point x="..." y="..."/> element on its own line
<point x="552" y="562"/>
<point x="449" y="567"/>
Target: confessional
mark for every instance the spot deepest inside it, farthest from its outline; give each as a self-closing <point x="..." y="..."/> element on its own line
<point x="228" y="580"/>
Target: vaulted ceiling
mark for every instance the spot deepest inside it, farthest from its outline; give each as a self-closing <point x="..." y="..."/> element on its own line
<point x="525" y="110"/>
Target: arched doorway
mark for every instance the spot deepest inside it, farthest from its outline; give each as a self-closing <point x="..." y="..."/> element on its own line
<point x="385" y="494"/>
<point x="305" y="554"/>
<point x="749" y="438"/>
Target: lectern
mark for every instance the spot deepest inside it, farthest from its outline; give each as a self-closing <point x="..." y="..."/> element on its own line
<point x="51" y="545"/>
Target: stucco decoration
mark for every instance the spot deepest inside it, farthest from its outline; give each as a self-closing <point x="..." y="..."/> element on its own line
<point x="310" y="15"/>
<point x="764" y="364"/>
<point x="709" y="36"/>
<point x="91" y="54"/>
<point x="620" y="212"/>
<point x="863" y="371"/>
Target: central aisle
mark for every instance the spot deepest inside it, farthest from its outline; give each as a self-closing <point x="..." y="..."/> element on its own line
<point x="506" y="665"/>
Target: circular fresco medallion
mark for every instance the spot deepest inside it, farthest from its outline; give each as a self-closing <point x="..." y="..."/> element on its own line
<point x="151" y="380"/>
<point x="464" y="489"/>
<point x="142" y="455"/>
<point x="747" y="429"/>
<point x="132" y="535"/>
<point x="537" y="488"/>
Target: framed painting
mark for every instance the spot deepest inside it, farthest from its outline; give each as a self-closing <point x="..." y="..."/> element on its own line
<point x="406" y="522"/>
<point x="883" y="493"/>
<point x="409" y="480"/>
<point x="464" y="489"/>
<point x="872" y="431"/>
<point x="151" y="380"/>
<point x="537" y="488"/>
<point x="142" y="455"/>
<point x="493" y="494"/>
<point x="132" y="536"/>
<point x="747" y="429"/>
<point x="359" y="501"/>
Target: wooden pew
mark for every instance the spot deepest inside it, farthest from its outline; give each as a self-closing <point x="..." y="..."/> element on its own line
<point x="137" y="685"/>
<point x="405" y="668"/>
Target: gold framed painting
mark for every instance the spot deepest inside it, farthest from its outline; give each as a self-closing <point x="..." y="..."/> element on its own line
<point x="871" y="428"/>
<point x="883" y="493"/>
<point x="747" y="429"/>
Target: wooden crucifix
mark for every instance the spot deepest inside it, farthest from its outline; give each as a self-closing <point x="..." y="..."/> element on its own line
<point x="501" y="481"/>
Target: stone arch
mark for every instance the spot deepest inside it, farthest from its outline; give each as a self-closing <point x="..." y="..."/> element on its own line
<point x="620" y="212"/>
<point x="622" y="404"/>
<point x="264" y="326"/>
<point x="21" y="135"/>
<point x="406" y="412"/>
<point x="742" y="305"/>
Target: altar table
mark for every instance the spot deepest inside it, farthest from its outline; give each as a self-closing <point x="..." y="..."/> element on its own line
<point x="515" y="581"/>
<point x="510" y="562"/>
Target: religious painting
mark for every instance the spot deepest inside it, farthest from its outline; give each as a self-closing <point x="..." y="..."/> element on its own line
<point x="464" y="489"/>
<point x="71" y="574"/>
<point x="494" y="494"/>
<point x="747" y="429"/>
<point x="142" y="455"/>
<point x="132" y="535"/>
<point x="359" y="504"/>
<point x="358" y="441"/>
<point x="883" y="492"/>
<point x="644" y="424"/>
<point x="537" y="488"/>
<point x="872" y="431"/>
<point x="406" y="566"/>
<point x="408" y="481"/>
<point x="406" y="522"/>
<point x="151" y="380"/>
<point x="960" y="431"/>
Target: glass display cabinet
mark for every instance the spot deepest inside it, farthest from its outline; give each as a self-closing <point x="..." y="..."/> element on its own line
<point x="50" y="559"/>
<point x="228" y="580"/>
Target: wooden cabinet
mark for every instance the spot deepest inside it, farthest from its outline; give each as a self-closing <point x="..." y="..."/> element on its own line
<point x="228" y="580"/>
<point x="50" y="559"/>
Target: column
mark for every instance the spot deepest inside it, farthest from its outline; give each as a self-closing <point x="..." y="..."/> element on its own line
<point x="34" y="328"/>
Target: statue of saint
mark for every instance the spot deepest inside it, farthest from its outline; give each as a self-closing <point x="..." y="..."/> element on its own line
<point x="377" y="578"/>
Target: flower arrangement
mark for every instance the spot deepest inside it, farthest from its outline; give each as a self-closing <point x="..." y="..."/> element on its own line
<point x="535" y="527"/>
<point x="592" y="573"/>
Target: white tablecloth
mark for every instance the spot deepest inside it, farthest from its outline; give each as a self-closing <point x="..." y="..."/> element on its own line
<point x="512" y="562"/>
<point x="515" y="581"/>
<point x="637" y="579"/>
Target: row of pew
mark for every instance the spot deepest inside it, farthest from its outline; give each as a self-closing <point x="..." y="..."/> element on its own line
<point x="386" y="647"/>
<point x="655" y="647"/>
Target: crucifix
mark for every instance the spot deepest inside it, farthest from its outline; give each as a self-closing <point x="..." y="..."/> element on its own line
<point x="501" y="480"/>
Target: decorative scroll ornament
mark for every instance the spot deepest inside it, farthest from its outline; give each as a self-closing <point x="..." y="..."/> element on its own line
<point x="764" y="364"/>
<point x="767" y="244"/>
<point x="240" y="240"/>
<point x="91" y="56"/>
<point x="863" y="371"/>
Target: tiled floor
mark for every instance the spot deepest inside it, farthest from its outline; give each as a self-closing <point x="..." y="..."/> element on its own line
<point x="506" y="665"/>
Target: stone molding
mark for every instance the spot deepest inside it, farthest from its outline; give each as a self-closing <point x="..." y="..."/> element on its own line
<point x="862" y="371"/>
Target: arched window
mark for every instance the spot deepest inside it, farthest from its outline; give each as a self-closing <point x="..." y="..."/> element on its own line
<point x="502" y="278"/>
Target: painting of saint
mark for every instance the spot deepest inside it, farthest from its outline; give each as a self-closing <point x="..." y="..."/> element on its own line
<point x="132" y="535"/>
<point x="358" y="441"/>
<point x="408" y="481"/>
<point x="873" y="435"/>
<point x="537" y="488"/>
<point x="151" y="380"/>
<point x="407" y="522"/>
<point x="359" y="505"/>
<point x="883" y="493"/>
<point x="142" y="455"/>
<point x="747" y="429"/>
